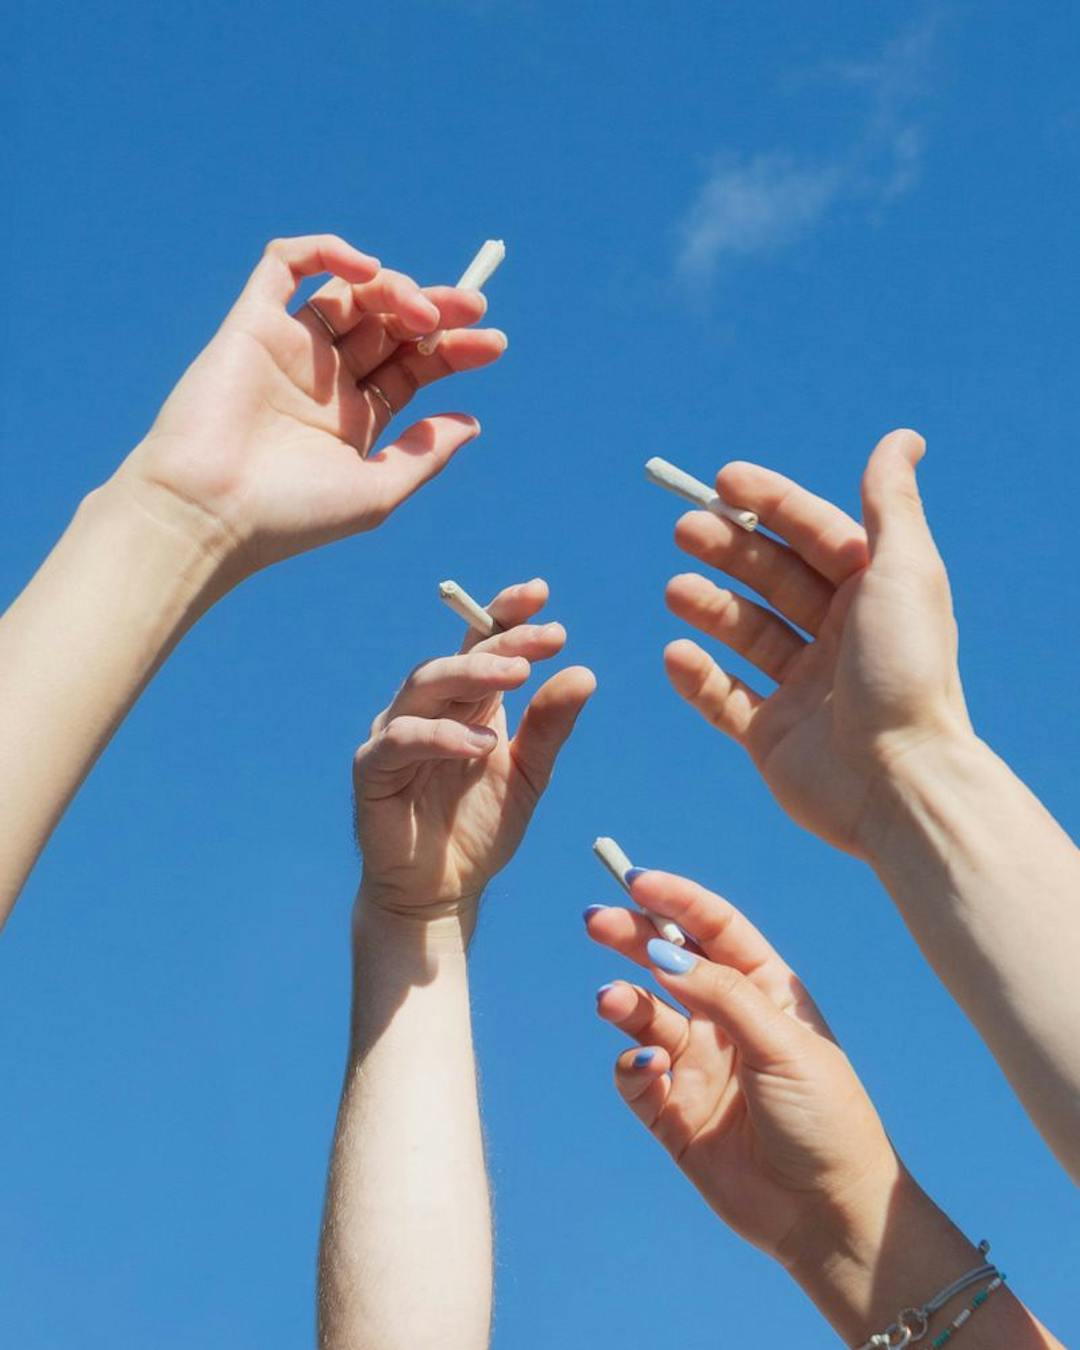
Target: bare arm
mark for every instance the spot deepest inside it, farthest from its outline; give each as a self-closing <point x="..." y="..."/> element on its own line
<point x="444" y="795"/>
<point x="259" y="453"/>
<point x="406" y="1248"/>
<point x="866" y="741"/>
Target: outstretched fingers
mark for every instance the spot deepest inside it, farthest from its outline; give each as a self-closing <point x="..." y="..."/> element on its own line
<point x="722" y="699"/>
<point x="747" y="628"/>
<point x="823" y="535"/>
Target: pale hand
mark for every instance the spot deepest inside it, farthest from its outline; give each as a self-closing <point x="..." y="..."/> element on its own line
<point x="746" y="1089"/>
<point x="443" y="792"/>
<point x="261" y="447"/>
<point x="878" y="676"/>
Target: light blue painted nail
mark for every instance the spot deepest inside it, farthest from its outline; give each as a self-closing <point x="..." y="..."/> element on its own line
<point x="633" y="874"/>
<point x="642" y="1058"/>
<point x="670" y="958"/>
<point x="603" y="990"/>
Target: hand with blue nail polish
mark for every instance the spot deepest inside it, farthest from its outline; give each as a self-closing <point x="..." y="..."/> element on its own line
<point x="742" y="1082"/>
<point x="444" y="793"/>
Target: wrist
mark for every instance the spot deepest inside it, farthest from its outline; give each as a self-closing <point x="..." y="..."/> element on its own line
<point x="161" y="577"/>
<point x="886" y="1248"/>
<point x="910" y="784"/>
<point x="201" y="544"/>
<point x="442" y="926"/>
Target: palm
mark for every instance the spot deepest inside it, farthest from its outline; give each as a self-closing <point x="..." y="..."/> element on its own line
<point x="751" y="1141"/>
<point x="278" y="437"/>
<point x="447" y="826"/>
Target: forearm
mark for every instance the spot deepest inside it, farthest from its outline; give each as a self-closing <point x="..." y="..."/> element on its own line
<point x="989" y="885"/>
<point x="405" y="1262"/>
<point x="77" y="647"/>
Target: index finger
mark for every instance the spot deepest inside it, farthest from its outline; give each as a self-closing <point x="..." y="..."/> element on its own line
<point x="513" y="605"/>
<point x="819" y="532"/>
<point x="285" y="263"/>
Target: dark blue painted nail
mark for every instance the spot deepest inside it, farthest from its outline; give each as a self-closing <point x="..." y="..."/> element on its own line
<point x="643" y="1057"/>
<point x="668" y="957"/>
<point x="593" y="909"/>
<point x="633" y="874"/>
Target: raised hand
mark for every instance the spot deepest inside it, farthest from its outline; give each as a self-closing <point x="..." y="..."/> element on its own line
<point x="877" y="674"/>
<point x="443" y="792"/>
<point x="263" y="447"/>
<point x="746" y="1089"/>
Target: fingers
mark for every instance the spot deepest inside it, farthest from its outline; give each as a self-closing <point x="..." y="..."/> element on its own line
<point x="285" y="262"/>
<point x="726" y="702"/>
<point x="413" y="459"/>
<point x="775" y="572"/>
<point x="535" y="641"/>
<point x="754" y="632"/>
<point x="642" y="1016"/>
<point x="819" y="532"/>
<point x="641" y="1077"/>
<point x="437" y="685"/>
<point x="373" y="337"/>
<point x="765" y="1037"/>
<point x="512" y="606"/>
<point x="892" y="507"/>
<point x="407" y="742"/>
<point x="407" y="371"/>
<point x="547" y="722"/>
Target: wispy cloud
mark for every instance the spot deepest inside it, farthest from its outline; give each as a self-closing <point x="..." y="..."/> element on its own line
<point x="760" y="203"/>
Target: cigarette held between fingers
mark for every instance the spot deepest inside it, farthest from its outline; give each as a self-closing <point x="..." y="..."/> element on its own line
<point x="465" y="607"/>
<point x="618" y="864"/>
<point x="476" y="275"/>
<point x="693" y="490"/>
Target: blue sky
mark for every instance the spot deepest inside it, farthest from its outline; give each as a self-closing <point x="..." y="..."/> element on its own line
<point x="750" y="230"/>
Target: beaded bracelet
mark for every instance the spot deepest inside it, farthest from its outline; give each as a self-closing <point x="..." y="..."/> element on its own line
<point x="961" y="1317"/>
<point x="912" y="1324"/>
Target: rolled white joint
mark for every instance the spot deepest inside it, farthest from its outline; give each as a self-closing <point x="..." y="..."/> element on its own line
<point x="474" y="278"/>
<point x="618" y="864"/>
<point x="693" y="490"/>
<point x="465" y="607"/>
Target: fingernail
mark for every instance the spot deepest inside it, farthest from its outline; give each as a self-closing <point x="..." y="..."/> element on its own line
<point x="479" y="296"/>
<point x="665" y="955"/>
<point x="593" y="909"/>
<point x="633" y="874"/>
<point x="603" y="990"/>
<point x="480" y="738"/>
<point x="500" y="334"/>
<point x="643" y="1057"/>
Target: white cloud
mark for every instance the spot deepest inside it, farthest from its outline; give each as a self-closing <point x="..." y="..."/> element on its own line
<point x="764" y="202"/>
<point x="753" y="207"/>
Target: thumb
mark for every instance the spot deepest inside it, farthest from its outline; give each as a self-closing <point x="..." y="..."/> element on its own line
<point x="547" y="722"/>
<point x="892" y="508"/>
